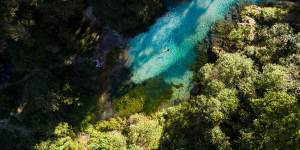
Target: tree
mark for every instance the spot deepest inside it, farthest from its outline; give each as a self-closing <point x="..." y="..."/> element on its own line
<point x="275" y="78"/>
<point x="292" y="63"/>
<point x="64" y="138"/>
<point x="142" y="98"/>
<point x="105" y="140"/>
<point x="277" y="123"/>
<point x="219" y="138"/>
<point x="127" y="105"/>
<point x="233" y="67"/>
<point x="143" y="132"/>
<point x="233" y="70"/>
<point x="264" y="14"/>
<point x="244" y="33"/>
<point x="216" y="109"/>
<point x="41" y="38"/>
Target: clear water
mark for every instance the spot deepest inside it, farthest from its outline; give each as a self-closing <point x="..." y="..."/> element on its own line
<point x="167" y="49"/>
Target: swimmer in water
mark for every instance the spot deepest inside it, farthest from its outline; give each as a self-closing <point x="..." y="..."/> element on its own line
<point x="167" y="50"/>
<point x="164" y="51"/>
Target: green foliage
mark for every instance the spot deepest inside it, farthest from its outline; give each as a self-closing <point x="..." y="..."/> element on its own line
<point x="49" y="83"/>
<point x="263" y="54"/>
<point x="143" y="98"/>
<point x="221" y="30"/>
<point x="292" y="63"/>
<point x="269" y="14"/>
<point x="143" y="133"/>
<point x="111" y="124"/>
<point x="275" y="78"/>
<point x="275" y="42"/>
<point x="251" y="11"/>
<point x="105" y="140"/>
<point x="41" y="39"/>
<point x="248" y="98"/>
<point x="264" y="14"/>
<point x="277" y="36"/>
<point x="136" y="132"/>
<point x="214" y="87"/>
<point x="274" y="102"/>
<point x="233" y="70"/>
<point x="232" y="67"/>
<point x="129" y="104"/>
<point x="242" y="34"/>
<point x="116" y="140"/>
<point x="220" y="139"/>
<point x="64" y="138"/>
<point x="265" y="44"/>
<point x="63" y="129"/>
<point x="218" y="108"/>
<point x="296" y="43"/>
<point x="277" y="124"/>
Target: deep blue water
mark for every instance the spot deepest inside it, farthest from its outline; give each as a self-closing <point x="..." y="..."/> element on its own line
<point x="167" y="49"/>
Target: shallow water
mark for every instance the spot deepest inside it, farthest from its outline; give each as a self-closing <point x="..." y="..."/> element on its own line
<point x="167" y="49"/>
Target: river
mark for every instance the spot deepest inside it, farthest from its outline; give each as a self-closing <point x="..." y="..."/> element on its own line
<point x="167" y="49"/>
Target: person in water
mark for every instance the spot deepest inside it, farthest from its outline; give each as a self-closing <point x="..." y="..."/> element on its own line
<point x="164" y="51"/>
<point x="167" y="50"/>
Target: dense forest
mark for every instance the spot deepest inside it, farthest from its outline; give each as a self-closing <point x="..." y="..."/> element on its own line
<point x="64" y="82"/>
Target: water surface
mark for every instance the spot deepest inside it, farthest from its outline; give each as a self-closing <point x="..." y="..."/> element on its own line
<point x="167" y="49"/>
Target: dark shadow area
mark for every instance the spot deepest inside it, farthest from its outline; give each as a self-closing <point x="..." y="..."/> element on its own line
<point x="128" y="17"/>
<point x="293" y="18"/>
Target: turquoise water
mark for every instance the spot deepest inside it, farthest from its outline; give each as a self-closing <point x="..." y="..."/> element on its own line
<point x="167" y="49"/>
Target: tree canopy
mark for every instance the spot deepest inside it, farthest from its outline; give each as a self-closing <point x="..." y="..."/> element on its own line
<point x="246" y="83"/>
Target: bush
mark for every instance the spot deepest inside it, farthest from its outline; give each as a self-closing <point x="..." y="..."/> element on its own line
<point x="274" y="78"/>
<point x="143" y="133"/>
